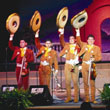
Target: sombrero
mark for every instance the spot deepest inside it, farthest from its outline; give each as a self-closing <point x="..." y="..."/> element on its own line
<point x="35" y="21"/>
<point x="62" y="17"/>
<point x="13" y="22"/>
<point x="80" y="19"/>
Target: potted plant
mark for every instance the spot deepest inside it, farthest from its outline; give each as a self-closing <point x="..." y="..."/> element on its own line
<point x="105" y="94"/>
<point x="15" y="100"/>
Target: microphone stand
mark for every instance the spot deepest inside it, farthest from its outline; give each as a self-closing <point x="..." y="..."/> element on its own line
<point x="6" y="68"/>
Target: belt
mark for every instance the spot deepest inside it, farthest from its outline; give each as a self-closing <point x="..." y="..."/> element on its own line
<point x="44" y="63"/>
<point x="72" y="62"/>
<point x="25" y="75"/>
<point x="20" y="65"/>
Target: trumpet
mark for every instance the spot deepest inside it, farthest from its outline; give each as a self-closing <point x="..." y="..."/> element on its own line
<point x="79" y="20"/>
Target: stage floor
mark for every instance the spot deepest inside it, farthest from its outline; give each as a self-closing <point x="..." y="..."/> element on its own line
<point x="67" y="106"/>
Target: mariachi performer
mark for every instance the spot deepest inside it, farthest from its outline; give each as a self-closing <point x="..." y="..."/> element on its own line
<point x="90" y="53"/>
<point x="70" y="52"/>
<point x="48" y="56"/>
<point x="22" y="54"/>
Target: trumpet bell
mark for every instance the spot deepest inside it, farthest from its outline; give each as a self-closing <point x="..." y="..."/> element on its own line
<point x="13" y="22"/>
<point x="80" y="19"/>
<point x="62" y="17"/>
<point x="35" y="21"/>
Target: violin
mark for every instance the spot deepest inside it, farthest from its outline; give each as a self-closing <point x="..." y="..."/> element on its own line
<point x="25" y="69"/>
<point x="93" y="72"/>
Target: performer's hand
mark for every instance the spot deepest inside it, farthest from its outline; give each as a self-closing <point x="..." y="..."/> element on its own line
<point x="37" y="33"/>
<point x="64" y="56"/>
<point x="80" y="68"/>
<point x="55" y="73"/>
<point x="77" y="32"/>
<point x="43" y="51"/>
<point x="66" y="51"/>
<point x="92" y="59"/>
<point x="60" y="31"/>
<point x="24" y="58"/>
<point x="11" y="36"/>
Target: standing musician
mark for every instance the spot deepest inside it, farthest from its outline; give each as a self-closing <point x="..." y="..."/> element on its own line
<point x="89" y="53"/>
<point x="48" y="58"/>
<point x="71" y="71"/>
<point x="23" y="56"/>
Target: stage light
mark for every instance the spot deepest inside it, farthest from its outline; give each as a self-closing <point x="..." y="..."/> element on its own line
<point x="37" y="89"/>
<point x="42" y="95"/>
<point x="8" y="87"/>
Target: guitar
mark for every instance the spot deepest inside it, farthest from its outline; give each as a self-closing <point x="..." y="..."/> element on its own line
<point x="93" y="73"/>
<point x="24" y="70"/>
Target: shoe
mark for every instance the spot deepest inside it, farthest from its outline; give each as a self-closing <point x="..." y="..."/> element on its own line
<point x="87" y="100"/>
<point x="94" y="102"/>
<point x="76" y="101"/>
<point x="68" y="100"/>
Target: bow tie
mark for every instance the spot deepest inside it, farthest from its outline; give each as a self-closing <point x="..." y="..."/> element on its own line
<point x="47" y="50"/>
<point x="72" y="48"/>
<point x="22" y="52"/>
<point x="89" y="47"/>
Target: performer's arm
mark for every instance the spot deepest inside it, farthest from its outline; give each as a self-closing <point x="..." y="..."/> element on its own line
<point x="10" y="43"/>
<point x="37" y="40"/>
<point x="64" y="51"/>
<point x="82" y="51"/>
<point x="98" y="56"/>
<point x="78" y="39"/>
<point x="61" y="36"/>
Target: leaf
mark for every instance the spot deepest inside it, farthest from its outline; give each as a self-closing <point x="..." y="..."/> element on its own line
<point x="16" y="99"/>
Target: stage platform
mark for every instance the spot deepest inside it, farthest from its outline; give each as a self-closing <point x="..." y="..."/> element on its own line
<point x="68" y="106"/>
<point x="59" y="97"/>
<point x="59" y="104"/>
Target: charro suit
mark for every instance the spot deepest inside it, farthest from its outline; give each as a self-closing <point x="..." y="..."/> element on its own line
<point x="70" y="51"/>
<point x="86" y="54"/>
<point x="48" y="57"/>
<point x="22" y="80"/>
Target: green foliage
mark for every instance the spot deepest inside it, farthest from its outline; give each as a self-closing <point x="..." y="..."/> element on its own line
<point x="105" y="95"/>
<point x="15" y="100"/>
